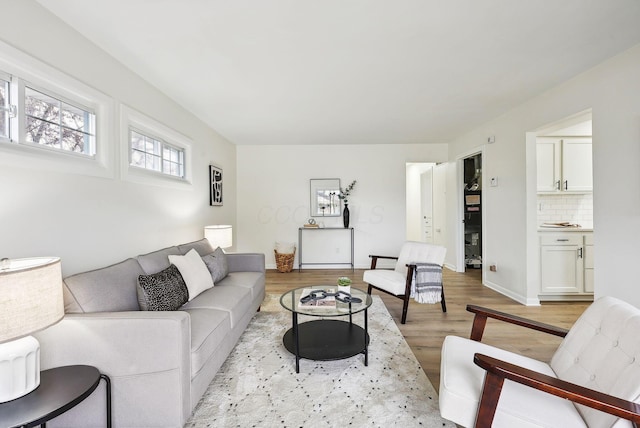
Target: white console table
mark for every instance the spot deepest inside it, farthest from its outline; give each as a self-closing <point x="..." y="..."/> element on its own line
<point x="319" y="230"/>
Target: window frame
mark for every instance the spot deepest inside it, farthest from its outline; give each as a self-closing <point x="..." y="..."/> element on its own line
<point x="6" y="110"/>
<point x="25" y="70"/>
<point x="23" y="86"/>
<point x="145" y="125"/>
<point x="161" y="157"/>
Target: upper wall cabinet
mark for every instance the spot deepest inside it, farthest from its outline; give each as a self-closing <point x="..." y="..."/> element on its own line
<point x="564" y="164"/>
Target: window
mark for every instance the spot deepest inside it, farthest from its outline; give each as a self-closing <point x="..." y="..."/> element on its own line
<point x="5" y="108"/>
<point x="51" y="121"/>
<point x="154" y="154"/>
<point x="58" y="124"/>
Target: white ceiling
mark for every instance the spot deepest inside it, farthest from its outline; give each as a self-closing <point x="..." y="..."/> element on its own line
<point x="353" y="71"/>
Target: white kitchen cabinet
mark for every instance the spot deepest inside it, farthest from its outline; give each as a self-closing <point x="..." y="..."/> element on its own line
<point x="566" y="266"/>
<point x="564" y="164"/>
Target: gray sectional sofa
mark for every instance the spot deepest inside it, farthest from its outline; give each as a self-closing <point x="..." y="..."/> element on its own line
<point x="160" y="363"/>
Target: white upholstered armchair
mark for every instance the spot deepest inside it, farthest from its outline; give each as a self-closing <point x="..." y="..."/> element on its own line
<point x="397" y="282"/>
<point x="592" y="380"/>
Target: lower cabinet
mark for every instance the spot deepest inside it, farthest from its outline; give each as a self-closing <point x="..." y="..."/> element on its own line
<point x="566" y="266"/>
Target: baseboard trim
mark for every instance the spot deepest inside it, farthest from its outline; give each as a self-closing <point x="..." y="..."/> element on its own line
<point x="514" y="296"/>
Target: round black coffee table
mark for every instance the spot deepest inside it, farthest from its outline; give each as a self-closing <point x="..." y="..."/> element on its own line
<point x="328" y="337"/>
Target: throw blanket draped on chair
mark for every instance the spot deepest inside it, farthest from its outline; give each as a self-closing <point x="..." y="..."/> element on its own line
<point x="426" y="285"/>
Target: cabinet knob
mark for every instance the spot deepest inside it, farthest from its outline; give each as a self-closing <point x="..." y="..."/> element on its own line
<point x="566" y="184"/>
<point x="562" y="239"/>
<point x="558" y="184"/>
<point x="580" y="252"/>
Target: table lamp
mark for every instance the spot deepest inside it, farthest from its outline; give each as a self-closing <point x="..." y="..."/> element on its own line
<point x="30" y="300"/>
<point x="219" y="235"/>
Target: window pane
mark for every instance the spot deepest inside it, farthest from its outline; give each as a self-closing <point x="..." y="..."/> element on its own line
<point x="137" y="158"/>
<point x="137" y="141"/>
<point x="41" y="106"/>
<point x="57" y="124"/>
<point x="75" y="118"/>
<point x="41" y="132"/>
<point x="4" y="106"/>
<point x="75" y="141"/>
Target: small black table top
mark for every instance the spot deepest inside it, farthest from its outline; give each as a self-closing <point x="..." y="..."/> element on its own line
<point x="60" y="389"/>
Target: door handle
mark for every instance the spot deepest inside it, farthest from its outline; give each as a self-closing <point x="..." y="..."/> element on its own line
<point x="580" y="252"/>
<point x="566" y="184"/>
<point x="558" y="185"/>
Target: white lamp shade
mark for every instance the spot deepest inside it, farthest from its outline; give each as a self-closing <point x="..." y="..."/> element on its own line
<point x="32" y="300"/>
<point x="219" y="235"/>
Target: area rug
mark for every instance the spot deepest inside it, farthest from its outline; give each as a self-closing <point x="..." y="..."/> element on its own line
<point x="258" y="387"/>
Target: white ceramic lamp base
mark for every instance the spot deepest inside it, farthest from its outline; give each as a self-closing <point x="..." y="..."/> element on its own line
<point x="19" y="368"/>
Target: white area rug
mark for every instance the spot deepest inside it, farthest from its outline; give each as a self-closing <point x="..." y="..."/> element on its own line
<point x="258" y="387"/>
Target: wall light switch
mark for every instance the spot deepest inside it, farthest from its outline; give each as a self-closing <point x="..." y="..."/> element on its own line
<point x="494" y="181"/>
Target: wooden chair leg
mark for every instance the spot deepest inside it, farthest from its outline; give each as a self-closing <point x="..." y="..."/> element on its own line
<point x="405" y="307"/>
<point x="442" y="302"/>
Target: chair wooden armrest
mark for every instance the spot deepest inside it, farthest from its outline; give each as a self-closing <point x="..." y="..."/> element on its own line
<point x="481" y="315"/>
<point x="374" y="259"/>
<point x="498" y="371"/>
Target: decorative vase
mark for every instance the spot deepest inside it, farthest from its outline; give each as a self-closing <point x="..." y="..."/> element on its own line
<point x="345" y="216"/>
<point x="344" y="289"/>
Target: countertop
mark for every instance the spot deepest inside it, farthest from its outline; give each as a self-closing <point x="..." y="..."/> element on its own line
<point x="564" y="229"/>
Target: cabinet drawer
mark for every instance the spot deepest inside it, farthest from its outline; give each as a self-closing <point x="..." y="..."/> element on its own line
<point x="566" y="239"/>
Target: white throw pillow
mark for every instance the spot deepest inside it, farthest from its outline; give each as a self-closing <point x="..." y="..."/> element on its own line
<point x="194" y="272"/>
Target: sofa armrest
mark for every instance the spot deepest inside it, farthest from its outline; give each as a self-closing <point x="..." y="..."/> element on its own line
<point x="245" y="262"/>
<point x="498" y="371"/>
<point x="147" y="355"/>
<point x="119" y="343"/>
<point x="481" y="315"/>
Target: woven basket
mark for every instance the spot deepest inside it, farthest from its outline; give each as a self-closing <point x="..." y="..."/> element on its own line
<point x="284" y="262"/>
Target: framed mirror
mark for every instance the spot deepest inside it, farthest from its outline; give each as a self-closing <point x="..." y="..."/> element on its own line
<point x="324" y="197"/>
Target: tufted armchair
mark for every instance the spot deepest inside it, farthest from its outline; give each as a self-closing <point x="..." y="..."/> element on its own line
<point x="592" y="380"/>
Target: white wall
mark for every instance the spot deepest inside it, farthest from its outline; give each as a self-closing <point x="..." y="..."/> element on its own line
<point x="612" y="90"/>
<point x="273" y="192"/>
<point x="91" y="221"/>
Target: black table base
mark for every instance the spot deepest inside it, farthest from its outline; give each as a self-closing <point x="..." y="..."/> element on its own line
<point x="326" y="340"/>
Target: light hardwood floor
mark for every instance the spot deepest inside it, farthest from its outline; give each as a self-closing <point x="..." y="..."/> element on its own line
<point x="427" y="325"/>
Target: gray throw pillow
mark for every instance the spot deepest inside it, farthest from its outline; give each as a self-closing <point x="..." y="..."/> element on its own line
<point x="162" y="291"/>
<point x="217" y="264"/>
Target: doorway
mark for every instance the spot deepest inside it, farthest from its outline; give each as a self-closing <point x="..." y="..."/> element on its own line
<point x="472" y="211"/>
<point x="426" y="202"/>
<point x="419" y="201"/>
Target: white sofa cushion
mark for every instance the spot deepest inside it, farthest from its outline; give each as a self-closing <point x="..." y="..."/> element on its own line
<point x="390" y="280"/>
<point x="461" y="386"/>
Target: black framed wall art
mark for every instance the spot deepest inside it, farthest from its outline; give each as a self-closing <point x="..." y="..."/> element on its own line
<point x="215" y="186"/>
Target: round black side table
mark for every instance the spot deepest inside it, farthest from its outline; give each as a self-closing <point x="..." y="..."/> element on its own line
<point x="61" y="389"/>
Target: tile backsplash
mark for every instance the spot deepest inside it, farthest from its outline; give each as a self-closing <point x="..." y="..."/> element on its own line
<point x="565" y="207"/>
